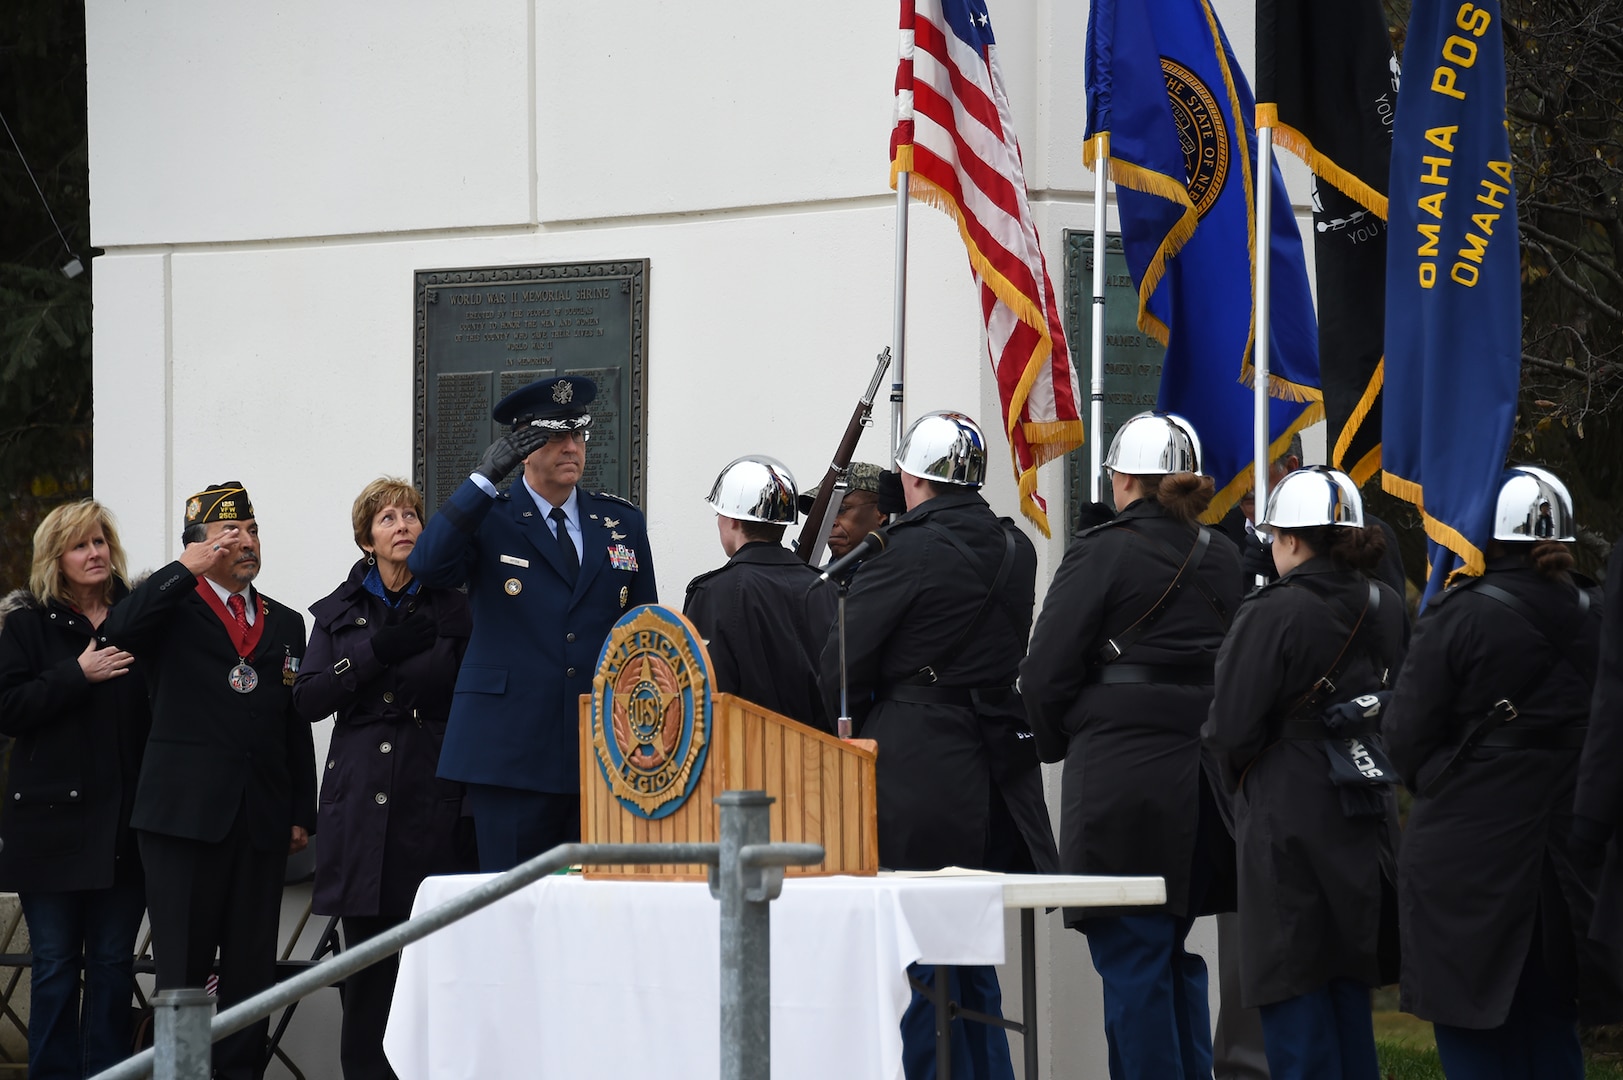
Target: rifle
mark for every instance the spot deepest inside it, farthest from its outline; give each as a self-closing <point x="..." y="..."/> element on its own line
<point x="814" y="533"/>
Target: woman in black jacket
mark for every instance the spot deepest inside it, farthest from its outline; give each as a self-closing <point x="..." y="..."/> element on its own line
<point x="1485" y="727"/>
<point x="1315" y="819"/>
<point x="79" y="715"/>
<point x="1116" y="683"/>
<point x="383" y="655"/>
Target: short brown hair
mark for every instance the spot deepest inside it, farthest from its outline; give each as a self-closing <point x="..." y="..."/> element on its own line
<point x="767" y="531"/>
<point x="62" y="528"/>
<point x="384" y="491"/>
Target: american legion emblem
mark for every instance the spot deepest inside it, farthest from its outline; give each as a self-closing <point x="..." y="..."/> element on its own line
<point x="651" y="714"/>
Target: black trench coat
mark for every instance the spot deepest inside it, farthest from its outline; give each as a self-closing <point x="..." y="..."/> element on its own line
<point x="1135" y="799"/>
<point x="764" y="624"/>
<point x="958" y="786"/>
<point x="71" y="785"/>
<point x="1600" y="770"/>
<point x="1486" y="860"/>
<point x="1314" y="883"/>
<point x="386" y="820"/>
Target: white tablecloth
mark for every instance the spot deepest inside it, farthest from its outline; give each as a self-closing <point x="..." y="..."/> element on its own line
<point x="575" y="978"/>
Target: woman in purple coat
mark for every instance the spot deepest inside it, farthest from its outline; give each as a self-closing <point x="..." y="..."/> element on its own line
<point x="383" y="656"/>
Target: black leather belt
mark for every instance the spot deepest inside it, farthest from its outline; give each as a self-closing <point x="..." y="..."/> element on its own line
<point x="1313" y="729"/>
<point x="1166" y="674"/>
<point x="946" y="695"/>
<point x="1518" y="737"/>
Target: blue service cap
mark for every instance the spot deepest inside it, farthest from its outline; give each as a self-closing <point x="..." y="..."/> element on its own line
<point x="561" y="399"/>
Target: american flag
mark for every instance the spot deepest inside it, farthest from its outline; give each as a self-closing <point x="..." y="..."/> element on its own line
<point x="955" y="140"/>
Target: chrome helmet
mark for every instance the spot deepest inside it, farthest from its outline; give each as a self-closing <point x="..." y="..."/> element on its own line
<point x="1154" y="444"/>
<point x="1533" y="505"/>
<point x="755" y="488"/>
<point x="944" y="447"/>
<point x="1314" y="496"/>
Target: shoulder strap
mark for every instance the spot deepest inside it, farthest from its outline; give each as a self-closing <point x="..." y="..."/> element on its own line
<point x="1324" y="687"/>
<point x="1118" y="644"/>
<point x="927" y="674"/>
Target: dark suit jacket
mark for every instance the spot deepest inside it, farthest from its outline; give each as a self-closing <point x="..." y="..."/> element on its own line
<point x="213" y="751"/>
<point x="515" y="717"/>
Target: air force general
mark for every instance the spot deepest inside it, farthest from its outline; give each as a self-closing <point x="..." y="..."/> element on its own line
<point x="549" y="567"/>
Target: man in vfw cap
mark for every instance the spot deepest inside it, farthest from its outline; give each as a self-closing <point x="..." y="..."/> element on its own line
<point x="227" y="789"/>
<point x="549" y="567"/>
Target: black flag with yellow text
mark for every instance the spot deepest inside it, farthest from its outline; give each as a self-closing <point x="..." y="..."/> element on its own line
<point x="1327" y="83"/>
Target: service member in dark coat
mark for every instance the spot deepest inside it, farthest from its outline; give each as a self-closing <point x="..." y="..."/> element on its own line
<point x="549" y="568"/>
<point x="762" y="620"/>
<point x="80" y="723"/>
<point x="1485" y="727"/>
<point x="383" y="655"/>
<point x="1317" y="855"/>
<point x="228" y="784"/>
<point x="936" y="626"/>
<point x="1598" y="804"/>
<point x="1125" y="718"/>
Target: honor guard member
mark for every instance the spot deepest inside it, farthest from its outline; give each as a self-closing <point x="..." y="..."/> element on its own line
<point x="858" y="513"/>
<point x="228" y="787"/>
<point x="762" y="622"/>
<point x="1117" y="684"/>
<point x="1598" y="805"/>
<point x="548" y="568"/>
<point x="1295" y="721"/>
<point x="936" y="625"/>
<point x="1486" y="726"/>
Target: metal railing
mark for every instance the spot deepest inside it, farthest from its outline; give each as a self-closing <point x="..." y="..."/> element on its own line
<point x="746" y="874"/>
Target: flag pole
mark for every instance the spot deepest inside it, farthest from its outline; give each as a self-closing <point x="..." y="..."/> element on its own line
<point x="898" y="352"/>
<point x="1096" y="413"/>
<point x="1264" y="233"/>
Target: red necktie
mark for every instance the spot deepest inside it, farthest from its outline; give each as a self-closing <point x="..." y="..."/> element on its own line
<point x="239" y="610"/>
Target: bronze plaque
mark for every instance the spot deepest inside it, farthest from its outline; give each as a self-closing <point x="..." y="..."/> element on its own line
<point x="1132" y="358"/>
<point x="483" y="333"/>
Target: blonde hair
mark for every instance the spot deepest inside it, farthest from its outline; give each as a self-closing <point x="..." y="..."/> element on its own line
<point x="63" y="528"/>
<point x="384" y="491"/>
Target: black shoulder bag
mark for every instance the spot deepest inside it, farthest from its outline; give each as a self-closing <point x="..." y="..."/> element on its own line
<point x="1105" y="668"/>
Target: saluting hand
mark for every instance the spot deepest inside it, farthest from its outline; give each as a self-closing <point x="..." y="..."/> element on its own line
<point x="99" y="665"/>
<point x="215" y="553"/>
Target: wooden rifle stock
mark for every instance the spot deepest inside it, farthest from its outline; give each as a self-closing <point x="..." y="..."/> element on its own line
<point x="814" y="532"/>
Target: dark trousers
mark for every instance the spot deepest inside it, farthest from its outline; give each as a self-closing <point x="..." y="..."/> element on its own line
<point x="367" y="995"/>
<point x="90" y="931"/>
<point x="225" y="896"/>
<point x="1326" y="1035"/>
<point x="1537" y="1041"/>
<point x="513" y="826"/>
<point x="1157" y="1019"/>
<point x="979" y="1051"/>
<point x="1237" y="1046"/>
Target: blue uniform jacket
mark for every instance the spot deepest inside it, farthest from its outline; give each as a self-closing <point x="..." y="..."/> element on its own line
<point x="515" y="716"/>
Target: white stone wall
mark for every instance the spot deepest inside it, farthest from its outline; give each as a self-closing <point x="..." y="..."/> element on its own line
<point x="266" y="178"/>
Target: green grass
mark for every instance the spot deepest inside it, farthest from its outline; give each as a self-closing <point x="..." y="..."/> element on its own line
<point x="1408" y="1051"/>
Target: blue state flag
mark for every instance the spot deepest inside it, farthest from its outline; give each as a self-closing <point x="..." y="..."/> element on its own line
<point x="1164" y="86"/>
<point x="1453" y="283"/>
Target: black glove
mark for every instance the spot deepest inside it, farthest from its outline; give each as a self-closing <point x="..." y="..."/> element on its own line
<point x="892" y="500"/>
<point x="1093" y="513"/>
<point x="1257" y="561"/>
<point x="503" y="455"/>
<point x="394" y="643"/>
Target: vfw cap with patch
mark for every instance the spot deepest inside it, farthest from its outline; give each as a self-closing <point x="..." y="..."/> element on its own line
<point x="222" y="502"/>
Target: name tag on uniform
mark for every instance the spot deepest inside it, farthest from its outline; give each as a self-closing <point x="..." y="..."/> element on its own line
<point x="622" y="557"/>
<point x="514" y="560"/>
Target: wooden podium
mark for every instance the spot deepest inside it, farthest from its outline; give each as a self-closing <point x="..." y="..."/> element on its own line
<point x="823" y="787"/>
